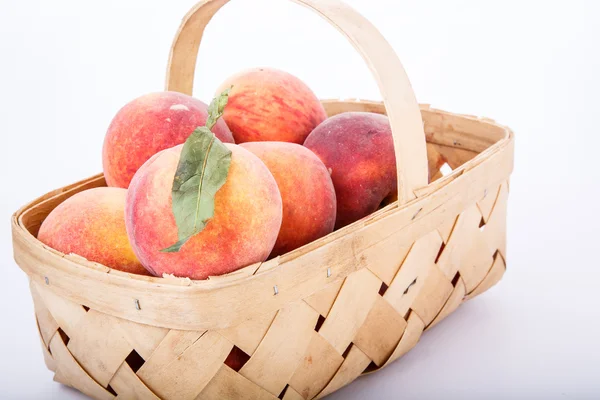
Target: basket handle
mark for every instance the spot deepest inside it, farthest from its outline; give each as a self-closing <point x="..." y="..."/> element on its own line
<point x="398" y="96"/>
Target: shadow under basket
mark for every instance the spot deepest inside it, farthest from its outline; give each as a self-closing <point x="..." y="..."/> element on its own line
<point x="308" y="322"/>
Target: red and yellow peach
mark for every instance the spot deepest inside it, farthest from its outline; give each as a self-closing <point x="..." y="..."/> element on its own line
<point x="92" y="224"/>
<point x="309" y="206"/>
<point x="147" y="125"/>
<point x="266" y="104"/>
<point x="247" y="218"/>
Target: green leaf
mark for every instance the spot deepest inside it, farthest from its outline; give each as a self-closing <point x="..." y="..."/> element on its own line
<point x="216" y="108"/>
<point x="174" y="248"/>
<point x="202" y="170"/>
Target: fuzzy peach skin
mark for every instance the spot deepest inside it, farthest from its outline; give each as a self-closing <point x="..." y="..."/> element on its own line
<point x="92" y="224"/>
<point x="309" y="206"/>
<point x="266" y="104"/>
<point x="244" y="228"/>
<point x="358" y="150"/>
<point x="147" y="125"/>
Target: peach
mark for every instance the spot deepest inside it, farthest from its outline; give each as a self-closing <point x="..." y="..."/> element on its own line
<point x="266" y="104"/>
<point x="243" y="230"/>
<point x="307" y="192"/>
<point x="92" y="224"/>
<point x="147" y="125"/>
<point x="358" y="150"/>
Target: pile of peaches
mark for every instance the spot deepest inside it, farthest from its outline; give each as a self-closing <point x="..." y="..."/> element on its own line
<point x="294" y="176"/>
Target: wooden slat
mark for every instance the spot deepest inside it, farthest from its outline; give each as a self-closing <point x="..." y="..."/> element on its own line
<point x="354" y="364"/>
<point x="350" y="309"/>
<point x="455" y="299"/>
<point x="282" y="349"/>
<point x="423" y="253"/>
<point x="48" y="360"/>
<point x="70" y="373"/>
<point x="381" y="332"/>
<point x="171" y="347"/>
<point x="291" y="394"/>
<point x="319" y="365"/>
<point x="487" y="201"/>
<point x="493" y="276"/>
<point x="494" y="232"/>
<point x="66" y="313"/>
<point x="476" y="134"/>
<point x="445" y="229"/>
<point x="128" y="386"/>
<point x="322" y="301"/>
<point x="432" y="290"/>
<point x="249" y="334"/>
<point x="188" y="374"/>
<point x="437" y="175"/>
<point x="386" y="257"/>
<point x="228" y="384"/>
<point x="466" y="228"/>
<point x="478" y="259"/>
<point x="412" y="334"/>
<point x="47" y="325"/>
<point x="99" y="346"/>
<point x="454" y="156"/>
<point x="435" y="161"/>
<point x="143" y="338"/>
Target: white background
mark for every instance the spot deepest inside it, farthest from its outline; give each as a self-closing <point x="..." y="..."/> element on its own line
<point x="66" y="66"/>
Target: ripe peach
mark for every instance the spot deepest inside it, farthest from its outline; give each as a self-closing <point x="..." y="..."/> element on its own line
<point x="92" y="224"/>
<point x="147" y="125"/>
<point x="358" y="150"/>
<point x="306" y="190"/>
<point x="266" y="104"/>
<point x="244" y="228"/>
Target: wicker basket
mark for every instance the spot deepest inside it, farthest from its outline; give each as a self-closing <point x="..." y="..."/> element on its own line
<point x="313" y="320"/>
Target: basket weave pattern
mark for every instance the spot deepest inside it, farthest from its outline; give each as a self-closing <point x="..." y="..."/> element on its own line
<point x="309" y="348"/>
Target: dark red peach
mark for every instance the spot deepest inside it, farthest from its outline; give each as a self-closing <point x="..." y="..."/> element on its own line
<point x="358" y="150"/>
